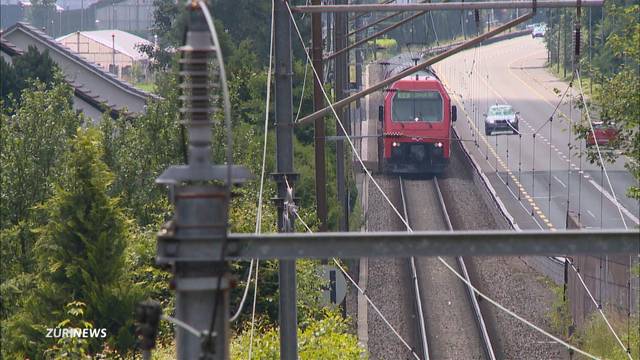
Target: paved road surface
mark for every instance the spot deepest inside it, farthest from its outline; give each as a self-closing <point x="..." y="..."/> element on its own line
<point x="513" y="72"/>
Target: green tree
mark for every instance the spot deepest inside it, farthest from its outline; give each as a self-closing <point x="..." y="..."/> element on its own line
<point x="327" y="338"/>
<point x="595" y="337"/>
<point x="26" y="68"/>
<point x="618" y="98"/>
<point x="32" y="141"/>
<point x="69" y="347"/>
<point x="167" y="30"/>
<point x="138" y="152"/>
<point x="80" y="255"/>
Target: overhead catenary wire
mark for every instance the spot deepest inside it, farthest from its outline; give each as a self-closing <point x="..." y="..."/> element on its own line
<point x="599" y="307"/>
<point x="226" y="100"/>
<point x="258" y="228"/>
<point x="348" y="138"/>
<point x="399" y="215"/>
<point x="245" y="293"/>
<point x="569" y="146"/>
<point x="304" y="83"/>
<point x="362" y="291"/>
<point x="258" y="225"/>
<point x="593" y="132"/>
<point x="550" y="157"/>
<point x="606" y="175"/>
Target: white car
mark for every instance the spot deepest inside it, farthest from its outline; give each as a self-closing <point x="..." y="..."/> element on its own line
<point x="501" y="118"/>
<point x="539" y="31"/>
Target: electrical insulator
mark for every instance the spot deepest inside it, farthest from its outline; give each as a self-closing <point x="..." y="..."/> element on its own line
<point x="147" y="316"/>
<point x="577" y="42"/>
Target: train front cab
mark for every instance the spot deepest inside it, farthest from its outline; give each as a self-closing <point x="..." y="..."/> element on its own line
<point x="416" y="128"/>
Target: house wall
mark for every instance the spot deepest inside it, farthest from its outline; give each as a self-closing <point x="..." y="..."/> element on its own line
<point x="91" y="79"/>
<point x="87" y="109"/>
<point x="96" y="52"/>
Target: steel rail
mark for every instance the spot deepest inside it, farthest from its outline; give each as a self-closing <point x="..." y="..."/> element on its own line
<point x="486" y="340"/>
<point x="481" y="5"/>
<point x="422" y="328"/>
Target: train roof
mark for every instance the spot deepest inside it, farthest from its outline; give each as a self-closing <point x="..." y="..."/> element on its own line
<point x="424" y="75"/>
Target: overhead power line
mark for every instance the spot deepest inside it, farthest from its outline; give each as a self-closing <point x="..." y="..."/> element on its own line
<point x="448" y="6"/>
<point x="593" y="132"/>
<point x="495" y="303"/>
<point x="363" y="293"/>
<point x="599" y="307"/>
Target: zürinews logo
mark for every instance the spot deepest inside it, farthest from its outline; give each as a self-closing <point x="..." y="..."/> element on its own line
<point x="85" y="333"/>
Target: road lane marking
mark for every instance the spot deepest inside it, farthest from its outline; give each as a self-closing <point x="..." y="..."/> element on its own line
<point x="558" y="180"/>
<point x="615" y="202"/>
<point x="492" y="150"/>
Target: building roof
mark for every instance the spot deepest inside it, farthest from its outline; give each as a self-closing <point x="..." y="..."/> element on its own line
<point x="9" y="48"/>
<point x="125" y="43"/>
<point x="82" y="62"/>
<point x="93" y="100"/>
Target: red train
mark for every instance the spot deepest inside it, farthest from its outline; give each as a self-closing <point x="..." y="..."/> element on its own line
<point x="416" y="126"/>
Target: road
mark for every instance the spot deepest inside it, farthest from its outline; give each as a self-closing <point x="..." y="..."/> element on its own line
<point x="539" y="176"/>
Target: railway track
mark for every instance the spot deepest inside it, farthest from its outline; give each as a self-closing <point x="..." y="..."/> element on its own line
<point x="444" y="307"/>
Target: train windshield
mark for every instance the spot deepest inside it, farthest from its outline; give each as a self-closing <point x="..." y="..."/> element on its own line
<point x="416" y="106"/>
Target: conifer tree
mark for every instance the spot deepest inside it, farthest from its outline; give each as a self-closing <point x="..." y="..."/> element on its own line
<point x="80" y="255"/>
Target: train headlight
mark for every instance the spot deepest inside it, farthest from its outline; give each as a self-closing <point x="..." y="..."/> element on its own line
<point x="438" y="144"/>
<point x="395" y="144"/>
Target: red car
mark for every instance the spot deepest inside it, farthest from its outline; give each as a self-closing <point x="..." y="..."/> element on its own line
<point x="604" y="134"/>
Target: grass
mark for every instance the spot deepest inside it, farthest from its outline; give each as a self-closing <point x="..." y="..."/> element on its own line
<point x="148" y="87"/>
<point x="596" y="338"/>
<point x="586" y="79"/>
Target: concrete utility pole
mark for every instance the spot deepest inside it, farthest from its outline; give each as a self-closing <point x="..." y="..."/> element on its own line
<point x="285" y="178"/>
<point x="359" y="58"/>
<point x="82" y="15"/>
<point x="340" y="85"/>
<point x="319" y="129"/>
<point x="359" y="22"/>
<point x="113" y="54"/>
<point x="193" y="243"/>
